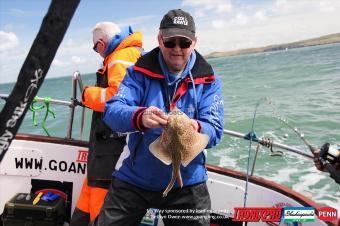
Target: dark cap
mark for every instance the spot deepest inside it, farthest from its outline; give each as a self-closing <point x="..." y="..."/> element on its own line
<point x="177" y="23"/>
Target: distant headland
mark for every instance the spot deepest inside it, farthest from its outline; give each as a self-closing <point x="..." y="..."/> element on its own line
<point x="327" y="39"/>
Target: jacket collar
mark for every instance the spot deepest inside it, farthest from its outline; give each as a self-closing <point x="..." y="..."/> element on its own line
<point x="149" y="65"/>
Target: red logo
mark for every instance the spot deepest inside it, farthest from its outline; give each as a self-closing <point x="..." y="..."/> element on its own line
<point x="257" y="214"/>
<point x="82" y="156"/>
<point x="327" y="214"/>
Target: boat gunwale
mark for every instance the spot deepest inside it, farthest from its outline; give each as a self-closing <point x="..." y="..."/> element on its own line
<point x="303" y="200"/>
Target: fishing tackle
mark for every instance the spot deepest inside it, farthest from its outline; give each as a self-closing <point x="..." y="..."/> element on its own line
<point x="48" y="110"/>
<point x="329" y="156"/>
<point x="34" y="109"/>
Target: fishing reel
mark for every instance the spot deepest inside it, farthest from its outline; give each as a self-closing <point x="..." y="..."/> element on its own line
<point x="330" y="158"/>
<point x="330" y="153"/>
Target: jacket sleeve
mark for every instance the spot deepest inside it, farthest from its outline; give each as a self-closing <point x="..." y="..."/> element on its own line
<point x="211" y="112"/>
<point x="95" y="97"/>
<point x="121" y="109"/>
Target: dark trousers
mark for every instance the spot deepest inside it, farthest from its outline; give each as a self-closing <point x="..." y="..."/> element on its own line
<point x="126" y="204"/>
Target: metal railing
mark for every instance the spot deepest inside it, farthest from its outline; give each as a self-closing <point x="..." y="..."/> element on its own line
<point x="76" y="80"/>
<point x="273" y="143"/>
<point x="77" y="83"/>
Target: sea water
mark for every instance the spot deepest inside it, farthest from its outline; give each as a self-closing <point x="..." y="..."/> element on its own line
<point x="303" y="86"/>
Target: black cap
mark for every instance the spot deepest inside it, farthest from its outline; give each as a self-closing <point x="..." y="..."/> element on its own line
<point x="178" y="23"/>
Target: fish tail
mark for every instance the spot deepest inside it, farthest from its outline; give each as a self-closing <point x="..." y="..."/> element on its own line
<point x="179" y="179"/>
<point x="170" y="185"/>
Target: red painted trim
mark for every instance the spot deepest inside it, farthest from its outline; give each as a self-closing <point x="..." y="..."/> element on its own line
<point x="148" y="72"/>
<point x="53" y="140"/>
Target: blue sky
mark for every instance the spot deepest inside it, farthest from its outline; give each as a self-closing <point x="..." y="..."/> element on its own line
<point x="221" y="25"/>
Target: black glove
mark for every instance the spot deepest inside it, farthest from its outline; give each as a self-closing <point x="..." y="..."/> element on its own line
<point x="77" y="102"/>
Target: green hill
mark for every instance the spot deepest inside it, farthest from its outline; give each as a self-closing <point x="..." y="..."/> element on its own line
<point x="327" y="39"/>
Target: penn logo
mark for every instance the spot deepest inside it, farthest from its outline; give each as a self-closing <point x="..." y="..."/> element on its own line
<point x="327" y="214"/>
<point x="180" y="20"/>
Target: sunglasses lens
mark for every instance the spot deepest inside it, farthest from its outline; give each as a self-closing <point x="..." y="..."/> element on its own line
<point x="95" y="46"/>
<point x="183" y="43"/>
<point x="170" y="44"/>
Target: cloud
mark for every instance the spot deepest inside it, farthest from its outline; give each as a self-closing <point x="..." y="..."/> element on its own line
<point x="253" y="24"/>
<point x="135" y="20"/>
<point x="8" y="41"/>
<point x="77" y="60"/>
<point x="260" y="15"/>
<point x="327" y="6"/>
<point x="59" y="63"/>
<point x="217" y="24"/>
<point x="15" y="12"/>
<point x="221" y="25"/>
<point x="241" y="19"/>
<point x="205" y="7"/>
<point x="20" y="12"/>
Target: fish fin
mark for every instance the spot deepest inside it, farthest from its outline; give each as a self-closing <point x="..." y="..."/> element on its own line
<point x="159" y="152"/>
<point x="196" y="149"/>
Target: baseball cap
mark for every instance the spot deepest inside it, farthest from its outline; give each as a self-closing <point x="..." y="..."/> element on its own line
<point x="178" y="23"/>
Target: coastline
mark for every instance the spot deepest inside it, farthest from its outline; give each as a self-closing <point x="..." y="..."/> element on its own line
<point x="322" y="40"/>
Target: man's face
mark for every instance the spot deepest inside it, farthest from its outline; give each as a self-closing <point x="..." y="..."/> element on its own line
<point x="176" y="51"/>
<point x="99" y="47"/>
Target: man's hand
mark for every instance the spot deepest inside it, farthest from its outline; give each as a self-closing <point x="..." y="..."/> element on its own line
<point x="154" y="117"/>
<point x="76" y="102"/>
<point x="194" y="124"/>
<point x="318" y="164"/>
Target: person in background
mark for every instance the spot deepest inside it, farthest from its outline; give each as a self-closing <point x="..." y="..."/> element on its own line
<point x="120" y="48"/>
<point x="171" y="75"/>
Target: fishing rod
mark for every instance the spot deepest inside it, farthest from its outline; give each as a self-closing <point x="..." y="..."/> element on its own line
<point x="34" y="69"/>
<point x="41" y="100"/>
<point x="329" y="155"/>
<point x="264" y="141"/>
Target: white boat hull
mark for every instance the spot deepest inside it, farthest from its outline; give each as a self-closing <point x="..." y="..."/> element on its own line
<point x="44" y="158"/>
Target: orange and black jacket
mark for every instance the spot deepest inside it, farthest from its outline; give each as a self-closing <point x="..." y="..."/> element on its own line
<point x="104" y="145"/>
<point x="112" y="73"/>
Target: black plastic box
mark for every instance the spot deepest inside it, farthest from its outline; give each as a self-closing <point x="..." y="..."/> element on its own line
<point x="20" y="211"/>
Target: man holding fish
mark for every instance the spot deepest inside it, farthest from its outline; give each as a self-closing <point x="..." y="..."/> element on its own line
<point x="171" y="106"/>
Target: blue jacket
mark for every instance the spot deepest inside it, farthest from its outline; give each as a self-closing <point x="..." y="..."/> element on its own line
<point x="146" y="85"/>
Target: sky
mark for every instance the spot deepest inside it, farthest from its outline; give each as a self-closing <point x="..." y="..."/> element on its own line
<point x="221" y="25"/>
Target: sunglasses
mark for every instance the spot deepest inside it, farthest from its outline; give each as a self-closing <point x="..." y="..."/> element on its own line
<point x="184" y="43"/>
<point x="95" y="46"/>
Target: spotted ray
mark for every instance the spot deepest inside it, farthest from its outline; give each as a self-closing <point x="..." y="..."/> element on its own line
<point x="178" y="144"/>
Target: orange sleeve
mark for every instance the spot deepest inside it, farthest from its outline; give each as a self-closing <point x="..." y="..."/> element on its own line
<point x="95" y="97"/>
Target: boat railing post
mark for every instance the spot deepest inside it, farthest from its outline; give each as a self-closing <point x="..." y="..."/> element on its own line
<point x="73" y="98"/>
<point x="81" y="88"/>
<point x="79" y="80"/>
